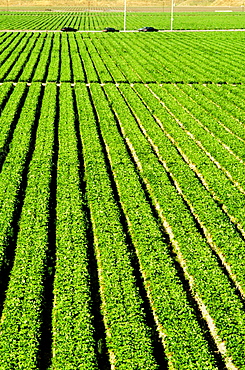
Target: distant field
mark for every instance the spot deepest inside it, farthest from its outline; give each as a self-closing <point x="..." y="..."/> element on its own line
<point x="99" y="20"/>
<point x="122" y="193"/>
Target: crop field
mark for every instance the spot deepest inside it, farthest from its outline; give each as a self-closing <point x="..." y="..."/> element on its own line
<point x="122" y="199"/>
<point x="89" y="20"/>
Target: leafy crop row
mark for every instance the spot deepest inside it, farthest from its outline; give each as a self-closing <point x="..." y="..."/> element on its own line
<point x="29" y="66"/>
<point x="221" y="145"/>
<point x="127" y="336"/>
<point x="73" y="344"/>
<point x="216" y="302"/>
<point x="14" y="164"/>
<point x="54" y="59"/>
<point x="20" y="60"/>
<point x="216" y="226"/>
<point x="22" y="311"/>
<point x="41" y="71"/>
<point x="11" y="53"/>
<point x="168" y="300"/>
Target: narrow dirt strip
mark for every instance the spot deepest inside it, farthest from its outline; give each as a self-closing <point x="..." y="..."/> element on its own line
<point x="81" y="31"/>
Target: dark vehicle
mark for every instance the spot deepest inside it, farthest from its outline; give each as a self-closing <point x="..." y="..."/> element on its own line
<point x="147" y="29"/>
<point x="110" y="29"/>
<point x="68" y="29"/>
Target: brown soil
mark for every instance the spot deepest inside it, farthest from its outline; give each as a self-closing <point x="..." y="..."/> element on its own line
<point x="114" y="4"/>
<point x="210" y="3"/>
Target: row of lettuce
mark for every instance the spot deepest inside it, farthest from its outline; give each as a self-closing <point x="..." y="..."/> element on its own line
<point x="166" y="234"/>
<point x="193" y="204"/>
<point x="90" y="20"/>
<point x="99" y="57"/>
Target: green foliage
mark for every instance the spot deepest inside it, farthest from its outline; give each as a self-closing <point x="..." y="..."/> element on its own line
<point x="94" y="21"/>
<point x="161" y="281"/>
<point x="122" y="171"/>
<point x="73" y="345"/>
<point x="14" y="164"/>
<point x="22" y="312"/>
<point x="127" y="335"/>
<point x="170" y="199"/>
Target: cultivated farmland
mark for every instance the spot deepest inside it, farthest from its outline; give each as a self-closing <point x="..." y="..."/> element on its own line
<point x="97" y="20"/>
<point x="122" y="201"/>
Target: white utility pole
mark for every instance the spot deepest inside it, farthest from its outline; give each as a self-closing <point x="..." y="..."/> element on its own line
<point x="172" y="16"/>
<point x="125" y="14"/>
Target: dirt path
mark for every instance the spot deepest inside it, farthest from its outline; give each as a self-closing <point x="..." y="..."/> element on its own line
<point x="227" y="30"/>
